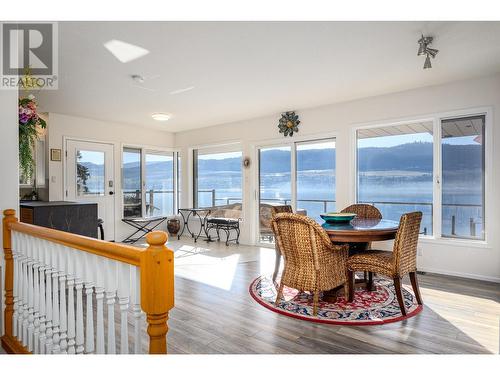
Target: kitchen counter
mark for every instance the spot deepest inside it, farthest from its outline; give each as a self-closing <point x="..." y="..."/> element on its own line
<point x="73" y="217"/>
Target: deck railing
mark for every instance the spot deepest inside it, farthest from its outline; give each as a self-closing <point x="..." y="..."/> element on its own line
<point x="51" y="275"/>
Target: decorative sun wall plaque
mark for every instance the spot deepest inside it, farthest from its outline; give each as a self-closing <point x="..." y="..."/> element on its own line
<point x="289" y="123"/>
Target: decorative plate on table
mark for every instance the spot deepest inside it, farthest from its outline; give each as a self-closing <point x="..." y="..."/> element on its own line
<point x="337" y="217"/>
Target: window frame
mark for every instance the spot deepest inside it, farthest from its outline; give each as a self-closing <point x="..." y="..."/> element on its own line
<point x="213" y="149"/>
<point x="292" y="143"/>
<point x="144" y="149"/>
<point x="436" y="119"/>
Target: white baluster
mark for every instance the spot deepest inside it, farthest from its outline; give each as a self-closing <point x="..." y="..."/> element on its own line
<point x="48" y="303"/>
<point x="136" y="307"/>
<point x="36" y="295"/>
<point x="89" y="318"/>
<point x="71" y="254"/>
<point x="20" y="289"/>
<point x="43" y="312"/>
<point x="79" y="339"/>
<point x="26" y="266"/>
<point x="89" y="263"/>
<point x="56" y="349"/>
<point x="99" y="294"/>
<point x="31" y="289"/>
<point x="15" y="292"/>
<point x="63" y="322"/>
<point x="124" y="301"/>
<point x="111" y="286"/>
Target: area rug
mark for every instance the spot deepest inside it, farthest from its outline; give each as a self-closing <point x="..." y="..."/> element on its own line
<point x="368" y="308"/>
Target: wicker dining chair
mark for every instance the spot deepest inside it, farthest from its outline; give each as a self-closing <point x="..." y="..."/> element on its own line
<point x="401" y="261"/>
<point x="312" y="262"/>
<point x="278" y="210"/>
<point x="363" y="211"/>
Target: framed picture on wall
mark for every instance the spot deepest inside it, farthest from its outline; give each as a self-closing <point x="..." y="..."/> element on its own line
<point x="55" y="154"/>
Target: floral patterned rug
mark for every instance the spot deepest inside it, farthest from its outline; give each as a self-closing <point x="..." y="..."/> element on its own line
<point x="368" y="308"/>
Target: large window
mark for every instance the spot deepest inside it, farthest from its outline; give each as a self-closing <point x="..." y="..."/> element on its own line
<point x="436" y="167"/>
<point x="159" y="183"/>
<point x="132" y="183"/>
<point x="301" y="175"/>
<point x="217" y="178"/>
<point x="395" y="168"/>
<point x="462" y="159"/>
<point x="148" y="183"/>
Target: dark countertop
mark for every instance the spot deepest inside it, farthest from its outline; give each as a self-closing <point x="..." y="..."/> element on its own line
<point x="51" y="204"/>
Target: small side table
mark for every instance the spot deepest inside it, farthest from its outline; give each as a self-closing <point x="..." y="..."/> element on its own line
<point x="142" y="224"/>
<point x="202" y="214"/>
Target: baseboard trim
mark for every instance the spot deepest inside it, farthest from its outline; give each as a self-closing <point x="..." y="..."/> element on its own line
<point x="460" y="274"/>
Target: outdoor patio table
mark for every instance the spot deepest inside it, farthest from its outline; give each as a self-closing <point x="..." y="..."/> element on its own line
<point x="202" y="214"/>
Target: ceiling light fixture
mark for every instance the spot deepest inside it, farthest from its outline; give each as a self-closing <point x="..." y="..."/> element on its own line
<point x="424" y="49"/>
<point x="161" y="116"/>
<point x="125" y="52"/>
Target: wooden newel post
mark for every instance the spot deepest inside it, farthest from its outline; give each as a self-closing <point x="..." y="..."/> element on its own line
<point x="157" y="289"/>
<point x="9" y="217"/>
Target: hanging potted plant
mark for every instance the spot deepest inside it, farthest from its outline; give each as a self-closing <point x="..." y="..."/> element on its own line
<point x="28" y="134"/>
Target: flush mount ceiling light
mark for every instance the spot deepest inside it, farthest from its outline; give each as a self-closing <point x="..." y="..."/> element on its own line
<point x="424" y="49"/>
<point x="161" y="116"/>
<point x="125" y="52"/>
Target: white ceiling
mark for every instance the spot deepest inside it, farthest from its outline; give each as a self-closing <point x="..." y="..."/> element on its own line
<point x="243" y="70"/>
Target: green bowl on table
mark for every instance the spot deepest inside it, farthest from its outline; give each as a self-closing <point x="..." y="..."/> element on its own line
<point x="337" y="217"/>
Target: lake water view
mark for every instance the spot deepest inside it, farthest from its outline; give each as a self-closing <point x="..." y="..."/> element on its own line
<point x="392" y="184"/>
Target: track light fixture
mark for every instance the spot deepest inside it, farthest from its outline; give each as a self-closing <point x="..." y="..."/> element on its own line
<point x="424" y="49"/>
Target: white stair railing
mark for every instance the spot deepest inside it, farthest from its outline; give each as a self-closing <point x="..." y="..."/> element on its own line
<point x="53" y="278"/>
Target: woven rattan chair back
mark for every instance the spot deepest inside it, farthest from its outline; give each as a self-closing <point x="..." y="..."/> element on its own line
<point x="405" y="244"/>
<point x="311" y="261"/>
<point x="363" y="211"/>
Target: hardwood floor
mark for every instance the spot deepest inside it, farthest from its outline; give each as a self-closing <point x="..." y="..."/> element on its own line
<point x="214" y="312"/>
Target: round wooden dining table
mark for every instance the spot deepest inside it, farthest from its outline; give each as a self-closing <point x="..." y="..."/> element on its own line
<point x="358" y="234"/>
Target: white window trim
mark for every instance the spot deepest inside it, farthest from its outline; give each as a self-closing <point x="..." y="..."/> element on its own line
<point x="436" y="119"/>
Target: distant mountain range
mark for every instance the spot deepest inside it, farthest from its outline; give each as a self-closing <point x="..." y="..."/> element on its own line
<point x="415" y="156"/>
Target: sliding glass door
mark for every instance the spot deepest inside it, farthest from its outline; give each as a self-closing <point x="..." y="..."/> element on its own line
<point x="316" y="177"/>
<point x="301" y="175"/>
<point x="149" y="182"/>
<point x="217" y="178"/>
<point x="275" y="185"/>
<point x="159" y="183"/>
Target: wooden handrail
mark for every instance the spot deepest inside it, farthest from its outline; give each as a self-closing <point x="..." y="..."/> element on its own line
<point x="156" y="265"/>
<point x="123" y="253"/>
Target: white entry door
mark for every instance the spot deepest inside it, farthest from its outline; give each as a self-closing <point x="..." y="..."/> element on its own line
<point x="90" y="178"/>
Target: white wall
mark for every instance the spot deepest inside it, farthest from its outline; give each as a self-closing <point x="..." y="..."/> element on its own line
<point x="61" y="126"/>
<point x="9" y="188"/>
<point x="482" y="262"/>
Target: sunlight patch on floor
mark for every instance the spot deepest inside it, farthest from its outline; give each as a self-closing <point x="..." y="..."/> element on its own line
<point x="483" y="328"/>
<point x="211" y="266"/>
